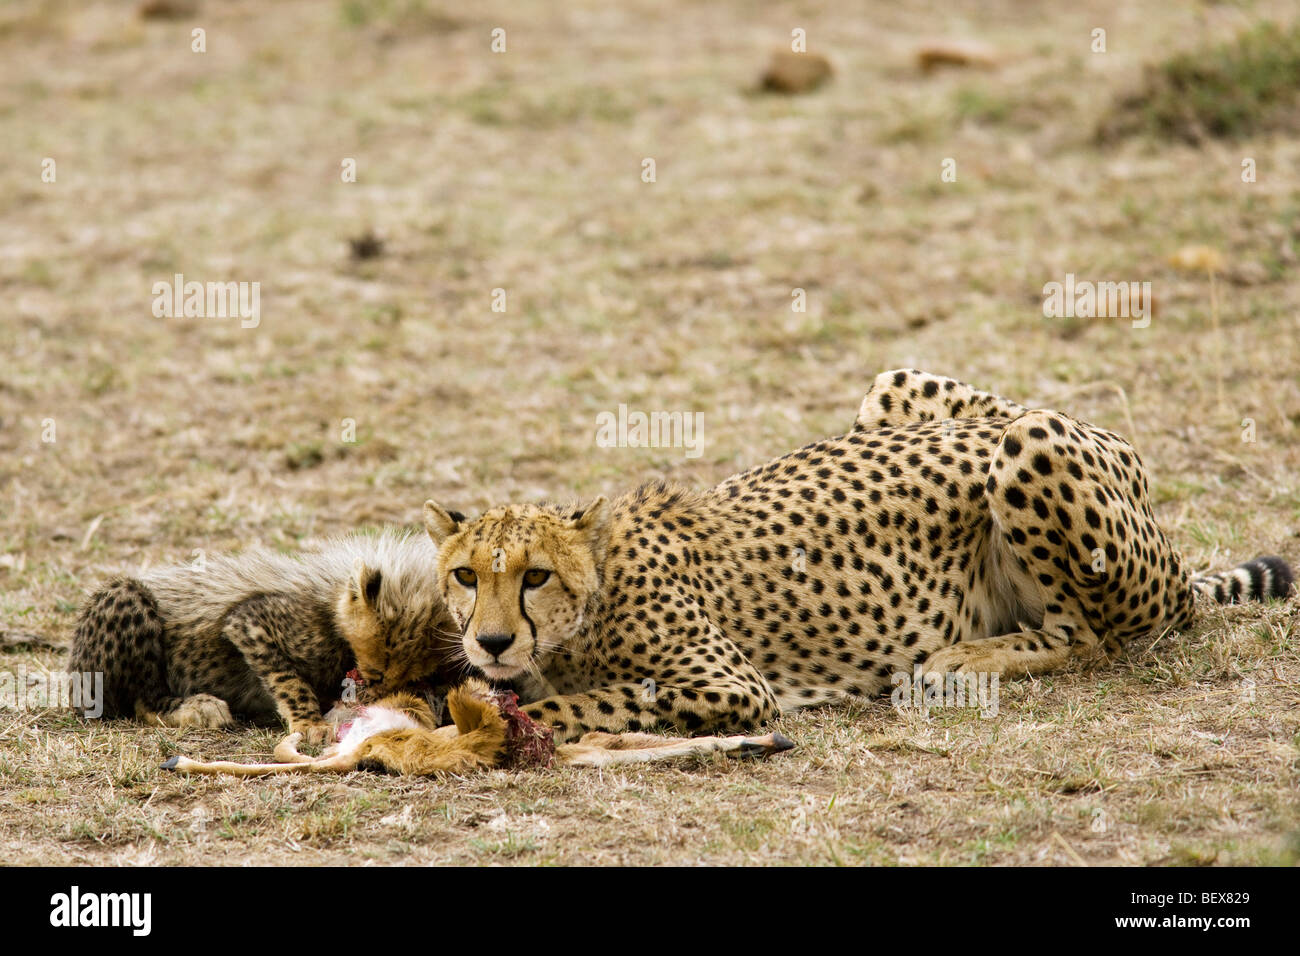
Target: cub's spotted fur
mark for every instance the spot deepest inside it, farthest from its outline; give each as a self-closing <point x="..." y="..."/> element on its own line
<point x="267" y="635"/>
<point x="950" y="528"/>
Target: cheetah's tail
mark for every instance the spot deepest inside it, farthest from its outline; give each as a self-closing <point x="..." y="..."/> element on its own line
<point x="1256" y="580"/>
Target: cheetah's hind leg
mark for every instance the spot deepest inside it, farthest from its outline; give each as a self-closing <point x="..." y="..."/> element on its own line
<point x="202" y="711"/>
<point x="1071" y="514"/>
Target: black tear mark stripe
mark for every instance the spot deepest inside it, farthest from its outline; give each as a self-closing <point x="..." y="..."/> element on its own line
<point x="523" y="611"/>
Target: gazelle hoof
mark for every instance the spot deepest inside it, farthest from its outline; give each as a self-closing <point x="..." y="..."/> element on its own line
<point x="773" y="743"/>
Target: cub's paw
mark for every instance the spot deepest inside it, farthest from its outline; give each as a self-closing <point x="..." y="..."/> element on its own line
<point x="200" y="710"/>
<point x="314" y="731"/>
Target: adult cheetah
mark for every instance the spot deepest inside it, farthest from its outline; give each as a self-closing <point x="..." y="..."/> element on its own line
<point x="267" y="635"/>
<point x="950" y="528"/>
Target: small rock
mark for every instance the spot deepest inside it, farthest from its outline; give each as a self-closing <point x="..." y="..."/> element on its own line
<point x="939" y="53"/>
<point x="790" y="72"/>
<point x="1139" y="301"/>
<point x="166" y="9"/>
<point x="366" y="246"/>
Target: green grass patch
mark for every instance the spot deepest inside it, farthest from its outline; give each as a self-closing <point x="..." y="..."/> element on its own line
<point x="1230" y="90"/>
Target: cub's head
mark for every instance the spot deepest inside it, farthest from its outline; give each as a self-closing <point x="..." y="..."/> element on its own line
<point x="518" y="578"/>
<point x="395" y="622"/>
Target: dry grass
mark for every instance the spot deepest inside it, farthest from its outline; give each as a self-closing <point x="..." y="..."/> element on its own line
<point x="522" y="171"/>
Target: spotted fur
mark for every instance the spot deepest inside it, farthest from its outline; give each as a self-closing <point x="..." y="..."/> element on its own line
<point x="267" y="636"/>
<point x="951" y="529"/>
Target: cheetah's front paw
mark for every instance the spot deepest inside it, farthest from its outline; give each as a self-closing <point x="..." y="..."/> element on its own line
<point x="968" y="658"/>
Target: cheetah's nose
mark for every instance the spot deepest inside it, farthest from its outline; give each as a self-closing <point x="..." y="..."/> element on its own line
<point x="495" y="644"/>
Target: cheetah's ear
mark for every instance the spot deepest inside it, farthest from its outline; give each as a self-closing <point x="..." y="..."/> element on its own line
<point x="366" y="582"/>
<point x="439" y="522"/>
<point x="593" y="521"/>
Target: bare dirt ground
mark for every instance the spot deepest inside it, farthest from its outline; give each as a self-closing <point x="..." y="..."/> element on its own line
<point x="522" y="171"/>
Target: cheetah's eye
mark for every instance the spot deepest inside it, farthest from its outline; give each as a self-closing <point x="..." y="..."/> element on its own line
<point x="535" y="577"/>
<point x="466" y="577"/>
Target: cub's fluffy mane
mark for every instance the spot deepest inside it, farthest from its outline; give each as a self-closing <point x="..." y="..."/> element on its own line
<point x="192" y="596"/>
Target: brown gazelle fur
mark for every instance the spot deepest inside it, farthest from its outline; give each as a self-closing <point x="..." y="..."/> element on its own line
<point x="477" y="741"/>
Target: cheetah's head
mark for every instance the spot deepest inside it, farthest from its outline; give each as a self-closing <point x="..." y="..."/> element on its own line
<point x="397" y="626"/>
<point x="518" y="579"/>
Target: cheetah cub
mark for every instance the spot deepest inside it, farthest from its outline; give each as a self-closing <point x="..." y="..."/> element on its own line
<point x="266" y="635"/>
<point x="950" y="529"/>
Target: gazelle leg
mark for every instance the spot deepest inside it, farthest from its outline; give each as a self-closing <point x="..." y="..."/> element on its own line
<point x="286" y="753"/>
<point x="598" y="750"/>
<point x="186" y="765"/>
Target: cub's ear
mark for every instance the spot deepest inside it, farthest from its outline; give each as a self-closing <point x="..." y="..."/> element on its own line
<point x="439" y="522"/>
<point x="366" y="582"/>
